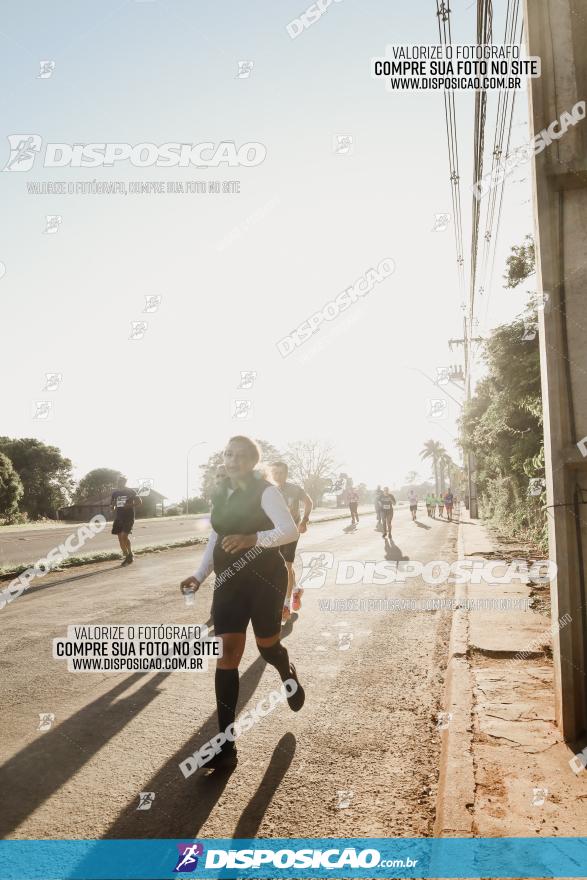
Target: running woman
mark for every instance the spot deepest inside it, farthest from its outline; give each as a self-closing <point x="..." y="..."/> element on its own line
<point x="387" y="502"/>
<point x="294" y="496"/>
<point x="247" y="512"/>
<point x="354" y="505"/>
<point x="430" y="504"/>
<point x="123" y="502"/>
<point x="378" y="494"/>
<point x="448" y="503"/>
<point x="413" y="502"/>
<point x="440" y="502"/>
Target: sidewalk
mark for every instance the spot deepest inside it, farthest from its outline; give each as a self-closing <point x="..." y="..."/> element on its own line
<point x="504" y="770"/>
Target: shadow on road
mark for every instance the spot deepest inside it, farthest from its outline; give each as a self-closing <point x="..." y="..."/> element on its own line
<point x="393" y="552"/>
<point x="183" y="805"/>
<point x="252" y="816"/>
<point x="41" y="768"/>
<point x="78" y="577"/>
<point x="422" y="525"/>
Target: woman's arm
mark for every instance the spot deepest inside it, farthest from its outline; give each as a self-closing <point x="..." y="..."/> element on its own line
<point x="207" y="562"/>
<point x="285" y="530"/>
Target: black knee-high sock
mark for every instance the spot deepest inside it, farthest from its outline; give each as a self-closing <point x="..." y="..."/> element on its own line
<point x="277" y="656"/>
<point x="226" y="684"/>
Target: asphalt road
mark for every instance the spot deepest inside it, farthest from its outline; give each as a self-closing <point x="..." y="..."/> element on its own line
<point x="28" y="545"/>
<point x="19" y="546"/>
<point x="360" y="759"/>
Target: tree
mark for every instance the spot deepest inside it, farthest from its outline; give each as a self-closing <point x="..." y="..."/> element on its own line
<point x="97" y="483"/>
<point x="312" y="465"/>
<point x="445" y="464"/>
<point x="45" y="474"/>
<point x="196" y="505"/>
<point x="521" y="263"/>
<point x="11" y="489"/>
<point x="433" y="450"/>
<point x="411" y="477"/>
<point x="502" y="426"/>
<point x="269" y="454"/>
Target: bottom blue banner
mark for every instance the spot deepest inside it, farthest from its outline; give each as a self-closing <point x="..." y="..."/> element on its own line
<point x="311" y="857"/>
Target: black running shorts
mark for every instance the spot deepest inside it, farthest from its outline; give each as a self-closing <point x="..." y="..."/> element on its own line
<point x="288" y="551"/>
<point x="123" y="522"/>
<point x="254" y="597"/>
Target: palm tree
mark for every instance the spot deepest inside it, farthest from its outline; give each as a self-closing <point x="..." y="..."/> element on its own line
<point x="446" y="465"/>
<point x="433" y="450"/>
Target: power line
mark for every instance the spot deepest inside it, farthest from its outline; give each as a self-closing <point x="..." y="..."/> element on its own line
<point x="443" y="13"/>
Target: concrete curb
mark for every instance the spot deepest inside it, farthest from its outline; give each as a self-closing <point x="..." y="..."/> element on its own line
<point x="456" y="782"/>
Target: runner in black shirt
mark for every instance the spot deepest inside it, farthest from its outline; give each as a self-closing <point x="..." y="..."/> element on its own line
<point x="387" y="502"/>
<point x="250" y="522"/>
<point x="123" y="502"/>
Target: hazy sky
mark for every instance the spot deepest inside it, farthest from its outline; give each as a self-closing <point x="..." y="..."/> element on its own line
<point x="236" y="272"/>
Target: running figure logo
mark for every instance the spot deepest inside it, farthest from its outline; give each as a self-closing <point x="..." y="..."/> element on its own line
<point x="245" y="68"/>
<point x="46" y="719"/>
<point x="53" y="222"/>
<point x="247" y="379"/>
<point x="187" y="860"/>
<point x="314" y="569"/>
<point x="23" y="148"/>
<point x="53" y="381"/>
<point x="146" y="799"/>
<point x="152" y="303"/>
<point x="47" y="68"/>
<point x="441" y="222"/>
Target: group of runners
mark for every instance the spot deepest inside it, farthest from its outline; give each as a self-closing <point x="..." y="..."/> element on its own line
<point x="255" y="527"/>
<point x="384" y="502"/>
<point x="445" y="500"/>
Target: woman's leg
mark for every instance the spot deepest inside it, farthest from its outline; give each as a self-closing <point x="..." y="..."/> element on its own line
<point x="226" y="679"/>
<point x="268" y="596"/>
<point x="274" y="653"/>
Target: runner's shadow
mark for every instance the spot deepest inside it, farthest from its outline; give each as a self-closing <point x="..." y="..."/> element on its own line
<point x="41" y="768"/>
<point x="250" y="821"/>
<point x="393" y="552"/>
<point x="38" y="588"/>
<point x="422" y="525"/>
<point x="183" y="805"/>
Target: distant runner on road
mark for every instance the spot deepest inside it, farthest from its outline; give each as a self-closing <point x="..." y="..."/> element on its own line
<point x="413" y="502"/>
<point x="123" y="502"/>
<point x="354" y="505"/>
<point x="247" y="512"/>
<point x="387" y="502"/>
<point x="294" y="496"/>
<point x="448" y="503"/>
<point x="377" y="501"/>
<point x="430" y="504"/>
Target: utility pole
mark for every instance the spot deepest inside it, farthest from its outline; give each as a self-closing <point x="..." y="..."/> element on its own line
<point x="557" y="32"/>
<point x="470" y="462"/>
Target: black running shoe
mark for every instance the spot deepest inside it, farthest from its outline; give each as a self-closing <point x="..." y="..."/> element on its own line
<point x="225" y="759"/>
<point x="124" y="561"/>
<point x="130" y="558"/>
<point x="297" y="699"/>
